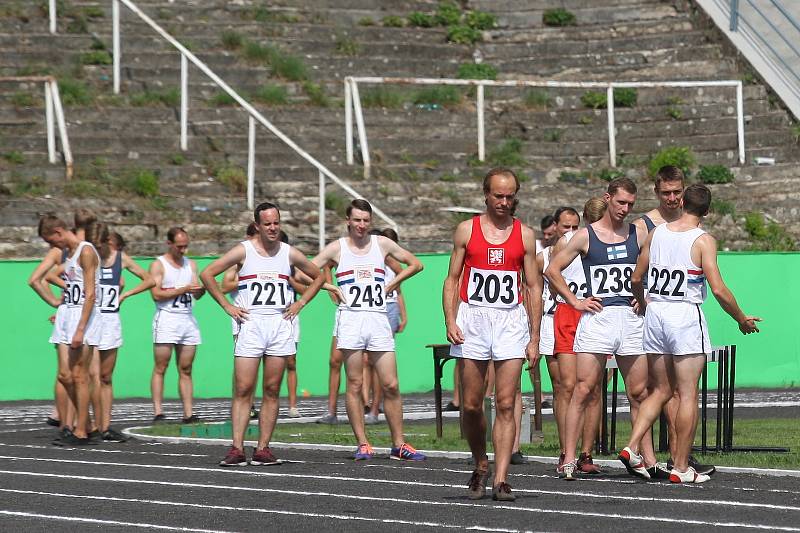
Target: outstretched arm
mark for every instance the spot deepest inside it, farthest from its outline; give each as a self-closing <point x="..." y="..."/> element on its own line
<point x="232" y="257"/>
<point x="147" y="280"/>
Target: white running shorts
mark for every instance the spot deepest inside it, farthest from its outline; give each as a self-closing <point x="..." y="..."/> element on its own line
<point x="616" y="330"/>
<point x="261" y="335"/>
<point x="492" y="333"/>
<point x="175" y="328"/>
<point x="67" y="322"/>
<point x="676" y="328"/>
<point x="547" y="336"/>
<point x="110" y="331"/>
<point x="363" y="330"/>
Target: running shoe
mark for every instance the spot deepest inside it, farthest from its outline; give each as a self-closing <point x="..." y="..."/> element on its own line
<point x="328" y="419"/>
<point x="50" y="421"/>
<point x="699" y="468"/>
<point x="293" y="412"/>
<point x="560" y="465"/>
<point x="659" y="471"/>
<point x="264" y="457"/>
<point x="370" y="419"/>
<point x="406" y="453"/>
<point x="363" y="452"/>
<point x="235" y="457"/>
<point x="502" y="493"/>
<point x="190" y="419"/>
<point x="112" y="435"/>
<point x="476" y="487"/>
<point x="450" y="407"/>
<point x="253" y="413"/>
<point x="634" y="463"/>
<point x="96" y="436"/>
<point x="159" y="418"/>
<point x="690" y="476"/>
<point x="570" y="470"/>
<point x="70" y="439"/>
<point x="586" y="465"/>
<point x="518" y="459"/>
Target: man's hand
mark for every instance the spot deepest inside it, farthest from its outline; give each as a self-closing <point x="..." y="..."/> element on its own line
<point x="639" y="310"/>
<point x="237" y="313"/>
<point x="532" y="354"/>
<point x="748" y="325"/>
<point x="402" y="325"/>
<point x="590" y="304"/>
<point x="454" y="334"/>
<point x="293" y="310"/>
<point x="77" y="339"/>
<point x="196" y="290"/>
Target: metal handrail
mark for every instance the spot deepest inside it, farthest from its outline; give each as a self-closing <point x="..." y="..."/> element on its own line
<point x="53" y="110"/>
<point x="254" y="114"/>
<point x="353" y="100"/>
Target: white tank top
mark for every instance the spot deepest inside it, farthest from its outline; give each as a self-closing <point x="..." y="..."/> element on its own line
<point x="264" y="281"/>
<point x="362" y="277"/>
<point x="672" y="275"/>
<point x="574" y="275"/>
<point x="548" y="297"/>
<point x="390" y="275"/>
<point x="175" y="278"/>
<point x="74" y="293"/>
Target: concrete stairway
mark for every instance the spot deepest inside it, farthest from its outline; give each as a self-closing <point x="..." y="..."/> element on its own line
<point x="424" y="156"/>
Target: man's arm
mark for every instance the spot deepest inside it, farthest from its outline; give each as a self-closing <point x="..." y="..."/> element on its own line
<point x="196" y="289"/>
<point x="147" y="280"/>
<point x="232" y="257"/>
<point x="707" y="246"/>
<point x="450" y="288"/>
<point x="89" y="263"/>
<point x="392" y="249"/>
<point x="301" y="264"/>
<point x="639" y="273"/>
<point x="401" y="306"/>
<point x="533" y="294"/>
<point x="36" y="281"/>
<point x="160" y="294"/>
<point x="230" y="280"/>
<point x="577" y="245"/>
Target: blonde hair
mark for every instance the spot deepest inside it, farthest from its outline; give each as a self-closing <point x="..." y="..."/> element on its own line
<point x="594" y="209"/>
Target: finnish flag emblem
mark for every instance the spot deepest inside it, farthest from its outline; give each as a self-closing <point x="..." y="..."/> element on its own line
<point x="617" y="252"/>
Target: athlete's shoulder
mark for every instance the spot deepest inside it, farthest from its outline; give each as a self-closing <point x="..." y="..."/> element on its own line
<point x="463" y="232"/>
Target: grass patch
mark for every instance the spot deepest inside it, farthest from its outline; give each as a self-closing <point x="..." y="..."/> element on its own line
<point x="366" y="21"/>
<point x="263" y="14"/>
<point x="232" y="40"/>
<point x="767" y="236"/>
<point x="508" y="154"/>
<point x="448" y="14"/>
<point x="177" y="159"/>
<point x="148" y="98"/>
<point x="463" y="34"/>
<point x="714" y="174"/>
<point x="316" y="94"/>
<point x="480" y="20"/>
<point x="723" y="207"/>
<point x="382" y="97"/>
<point x="553" y="135"/>
<point x="271" y="95"/>
<point x="22" y="99"/>
<point x="608" y="174"/>
<point x="33" y="186"/>
<point x="537" y="99"/>
<point x="558" y="17"/>
<point x="623" y="97"/>
<point x="445" y="95"/>
<point x="15" y="157"/>
<point x="96" y="57"/>
<point x="257" y="53"/>
<point x="418" y="19"/>
<point x="674" y="113"/>
<point x="222" y="99"/>
<point x="74" y="92"/>
<point x="476" y="71"/>
<point x="232" y="176"/>
<point x="677" y="156"/>
<point x="347" y="46"/>
<point x="392" y="21"/>
<point x="334" y="201"/>
<point x="141" y="182"/>
<point x="796" y="133"/>
<point x="289" y="67"/>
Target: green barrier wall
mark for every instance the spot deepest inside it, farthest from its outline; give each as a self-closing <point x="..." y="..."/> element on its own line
<point x="763" y="283"/>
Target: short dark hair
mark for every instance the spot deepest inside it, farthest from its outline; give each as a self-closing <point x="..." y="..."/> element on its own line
<point x="360" y="204"/>
<point x="669" y="173"/>
<point x="547" y="221"/>
<point x="48" y="225"/>
<point x="697" y="199"/>
<point x="173" y="232"/>
<point x="564" y="209"/>
<point x="252" y="229"/>
<point x="264" y="206"/>
<point x="626" y="184"/>
<point x="499" y="171"/>
<point x="390" y="233"/>
<point x="97" y="234"/>
<point x="84" y="217"/>
<point x="375" y="231"/>
<point x="118" y="240"/>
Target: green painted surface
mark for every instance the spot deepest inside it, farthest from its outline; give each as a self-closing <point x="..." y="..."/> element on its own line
<point x="763" y="283"/>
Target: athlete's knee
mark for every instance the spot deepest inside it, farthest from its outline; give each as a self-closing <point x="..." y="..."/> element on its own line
<point x="272" y="390"/>
<point x="582" y="392"/>
<point x="637" y="392"/>
<point x="391" y="389"/>
<point x="65" y="377"/>
<point x="291" y="366"/>
<point x="105" y="379"/>
<point x="567" y="386"/>
<point x="504" y="407"/>
<point x="185" y="369"/>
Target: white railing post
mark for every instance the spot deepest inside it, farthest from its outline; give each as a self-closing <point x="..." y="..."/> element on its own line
<point x="251" y="162"/>
<point x="115" y="42"/>
<point x="740" y="121"/>
<point x="321" y="210"/>
<point x="481" y="135"/>
<point x="51" y="131"/>
<point x="362" y="131"/>
<point x="348" y="121"/>
<point x="53" y="16"/>
<point x="184" y="102"/>
<point x="62" y="128"/>
<point x="612" y="142"/>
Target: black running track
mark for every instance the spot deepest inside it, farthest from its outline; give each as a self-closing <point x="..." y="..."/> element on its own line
<point x="178" y="487"/>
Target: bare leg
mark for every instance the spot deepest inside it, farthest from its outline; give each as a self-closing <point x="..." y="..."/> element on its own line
<point x="184" y="355"/>
<point x="591" y="419"/>
<point x="377" y="392"/>
<point x="590" y="368"/>
<point x="108" y="360"/>
<point x="291" y="379"/>
<point x="79" y="360"/>
<point x="567" y="374"/>
<point x="161" y="356"/>
<point x="456" y="385"/>
<point x="687" y="371"/>
<point x="385" y="365"/>
<point x="245" y="375"/>
<point x="507" y="375"/>
<point x="473" y="386"/>
<point x="366" y="380"/>
<point x="335" y="377"/>
<point x="354" y="368"/>
<point x="62" y="396"/>
<point x="273" y="375"/>
<point x="95" y="391"/>
<point x="517" y="420"/>
<point x="635" y="373"/>
<point x="661" y="389"/>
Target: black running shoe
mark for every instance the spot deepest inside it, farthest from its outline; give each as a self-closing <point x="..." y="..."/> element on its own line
<point x="112" y="435"/>
<point x="95" y="436"/>
<point x="659" y="471"/>
<point x="190" y="419"/>
<point x="518" y="459"/>
<point x="699" y="468"/>
<point x="159" y="419"/>
<point x="450" y="407"/>
<point x="50" y="421"/>
<point x="71" y="440"/>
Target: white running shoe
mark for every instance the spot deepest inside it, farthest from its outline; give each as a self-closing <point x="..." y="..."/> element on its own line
<point x="569" y="470"/>
<point x="294" y="413"/>
<point x="690" y="476"/>
<point x="634" y="463"/>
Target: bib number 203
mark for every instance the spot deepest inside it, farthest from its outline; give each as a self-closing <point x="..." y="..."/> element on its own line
<point x="491" y="288"/>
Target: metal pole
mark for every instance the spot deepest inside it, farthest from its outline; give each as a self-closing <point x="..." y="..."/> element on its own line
<point x="115" y="42"/>
<point x="740" y="121"/>
<point x="734" y="15"/>
<point x="251" y="161"/>
<point x="731" y="391"/>
<point x="612" y="141"/>
<point x="362" y="132"/>
<point x="348" y="121"/>
<point x="481" y="135"/>
<point x="53" y="16"/>
<point x="62" y="128"/>
<point x="51" y="131"/>
<point x="185" y="102"/>
<point x="321" y="210"/>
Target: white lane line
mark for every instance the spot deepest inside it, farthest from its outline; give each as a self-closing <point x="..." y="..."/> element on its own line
<point x="390" y="500"/>
<point x="625" y="497"/>
<point x="100" y="450"/>
<point x="107" y="522"/>
<point x="261" y="510"/>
